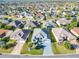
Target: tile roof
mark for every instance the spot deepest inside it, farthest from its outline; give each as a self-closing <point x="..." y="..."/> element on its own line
<point x="76" y="29"/>
<point x="60" y="33"/>
<point x="3" y="31"/>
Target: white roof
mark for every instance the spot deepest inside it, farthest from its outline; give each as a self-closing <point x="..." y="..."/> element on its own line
<point x="60" y="33"/>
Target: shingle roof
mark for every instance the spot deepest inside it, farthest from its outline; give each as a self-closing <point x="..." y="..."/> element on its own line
<point x="26" y="32"/>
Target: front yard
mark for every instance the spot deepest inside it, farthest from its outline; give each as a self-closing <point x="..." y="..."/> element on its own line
<point x="8" y="47"/>
<point x="34" y="51"/>
<point x="3" y="50"/>
<point x="60" y="49"/>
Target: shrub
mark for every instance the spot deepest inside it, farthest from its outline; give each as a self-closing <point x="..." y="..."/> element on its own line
<point x="67" y="44"/>
<point x="6" y="39"/>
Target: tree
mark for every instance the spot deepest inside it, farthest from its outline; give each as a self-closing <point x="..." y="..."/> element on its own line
<point x="72" y="24"/>
<point x="10" y="27"/>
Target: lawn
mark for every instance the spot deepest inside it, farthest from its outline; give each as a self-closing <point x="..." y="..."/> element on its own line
<point x="60" y="49"/>
<point x="33" y="51"/>
<point x="52" y="36"/>
<point x="36" y="52"/>
<point x="2" y="50"/>
<point x="9" y="49"/>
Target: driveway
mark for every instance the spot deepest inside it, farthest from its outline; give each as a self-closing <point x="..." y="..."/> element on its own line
<point x="47" y="49"/>
<point x="17" y="48"/>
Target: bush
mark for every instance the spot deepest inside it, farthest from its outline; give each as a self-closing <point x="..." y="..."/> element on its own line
<point x="67" y="45"/>
<point x="9" y="44"/>
<point x="6" y="39"/>
<point x="9" y="27"/>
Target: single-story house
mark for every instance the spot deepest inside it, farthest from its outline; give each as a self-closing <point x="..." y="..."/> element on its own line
<point x="4" y="21"/>
<point x="49" y="24"/>
<point x="75" y="31"/>
<point x="30" y="23"/>
<point x="16" y="23"/>
<point x="40" y="35"/>
<point x="40" y="15"/>
<point x="4" y="33"/>
<point x="20" y="35"/>
<point x="63" y="21"/>
<point x="61" y="34"/>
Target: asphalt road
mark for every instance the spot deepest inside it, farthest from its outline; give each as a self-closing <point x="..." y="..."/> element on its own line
<point x="24" y="56"/>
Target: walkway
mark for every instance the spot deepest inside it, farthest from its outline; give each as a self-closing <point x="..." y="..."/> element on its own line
<point x="17" y="48"/>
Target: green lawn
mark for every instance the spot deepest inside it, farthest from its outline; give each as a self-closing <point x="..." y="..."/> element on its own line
<point x="52" y="36"/>
<point x="9" y="49"/>
<point x="60" y="49"/>
<point x="33" y="51"/>
<point x="25" y="49"/>
<point x="36" y="52"/>
<point x="2" y="50"/>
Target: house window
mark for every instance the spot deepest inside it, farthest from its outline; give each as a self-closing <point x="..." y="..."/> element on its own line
<point x="19" y="34"/>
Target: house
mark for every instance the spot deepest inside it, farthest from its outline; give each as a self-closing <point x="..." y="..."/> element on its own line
<point x="49" y="24"/>
<point x="5" y="33"/>
<point x="62" y="34"/>
<point x="75" y="31"/>
<point x="27" y="14"/>
<point x="4" y="21"/>
<point x="20" y="35"/>
<point x="40" y="35"/>
<point x="30" y="23"/>
<point x="41" y="38"/>
<point x="53" y="12"/>
<point x="17" y="23"/>
<point x="63" y="21"/>
<point x="40" y="15"/>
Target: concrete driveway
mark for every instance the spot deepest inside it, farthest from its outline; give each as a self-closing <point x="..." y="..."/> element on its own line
<point x="17" y="48"/>
<point x="47" y="49"/>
